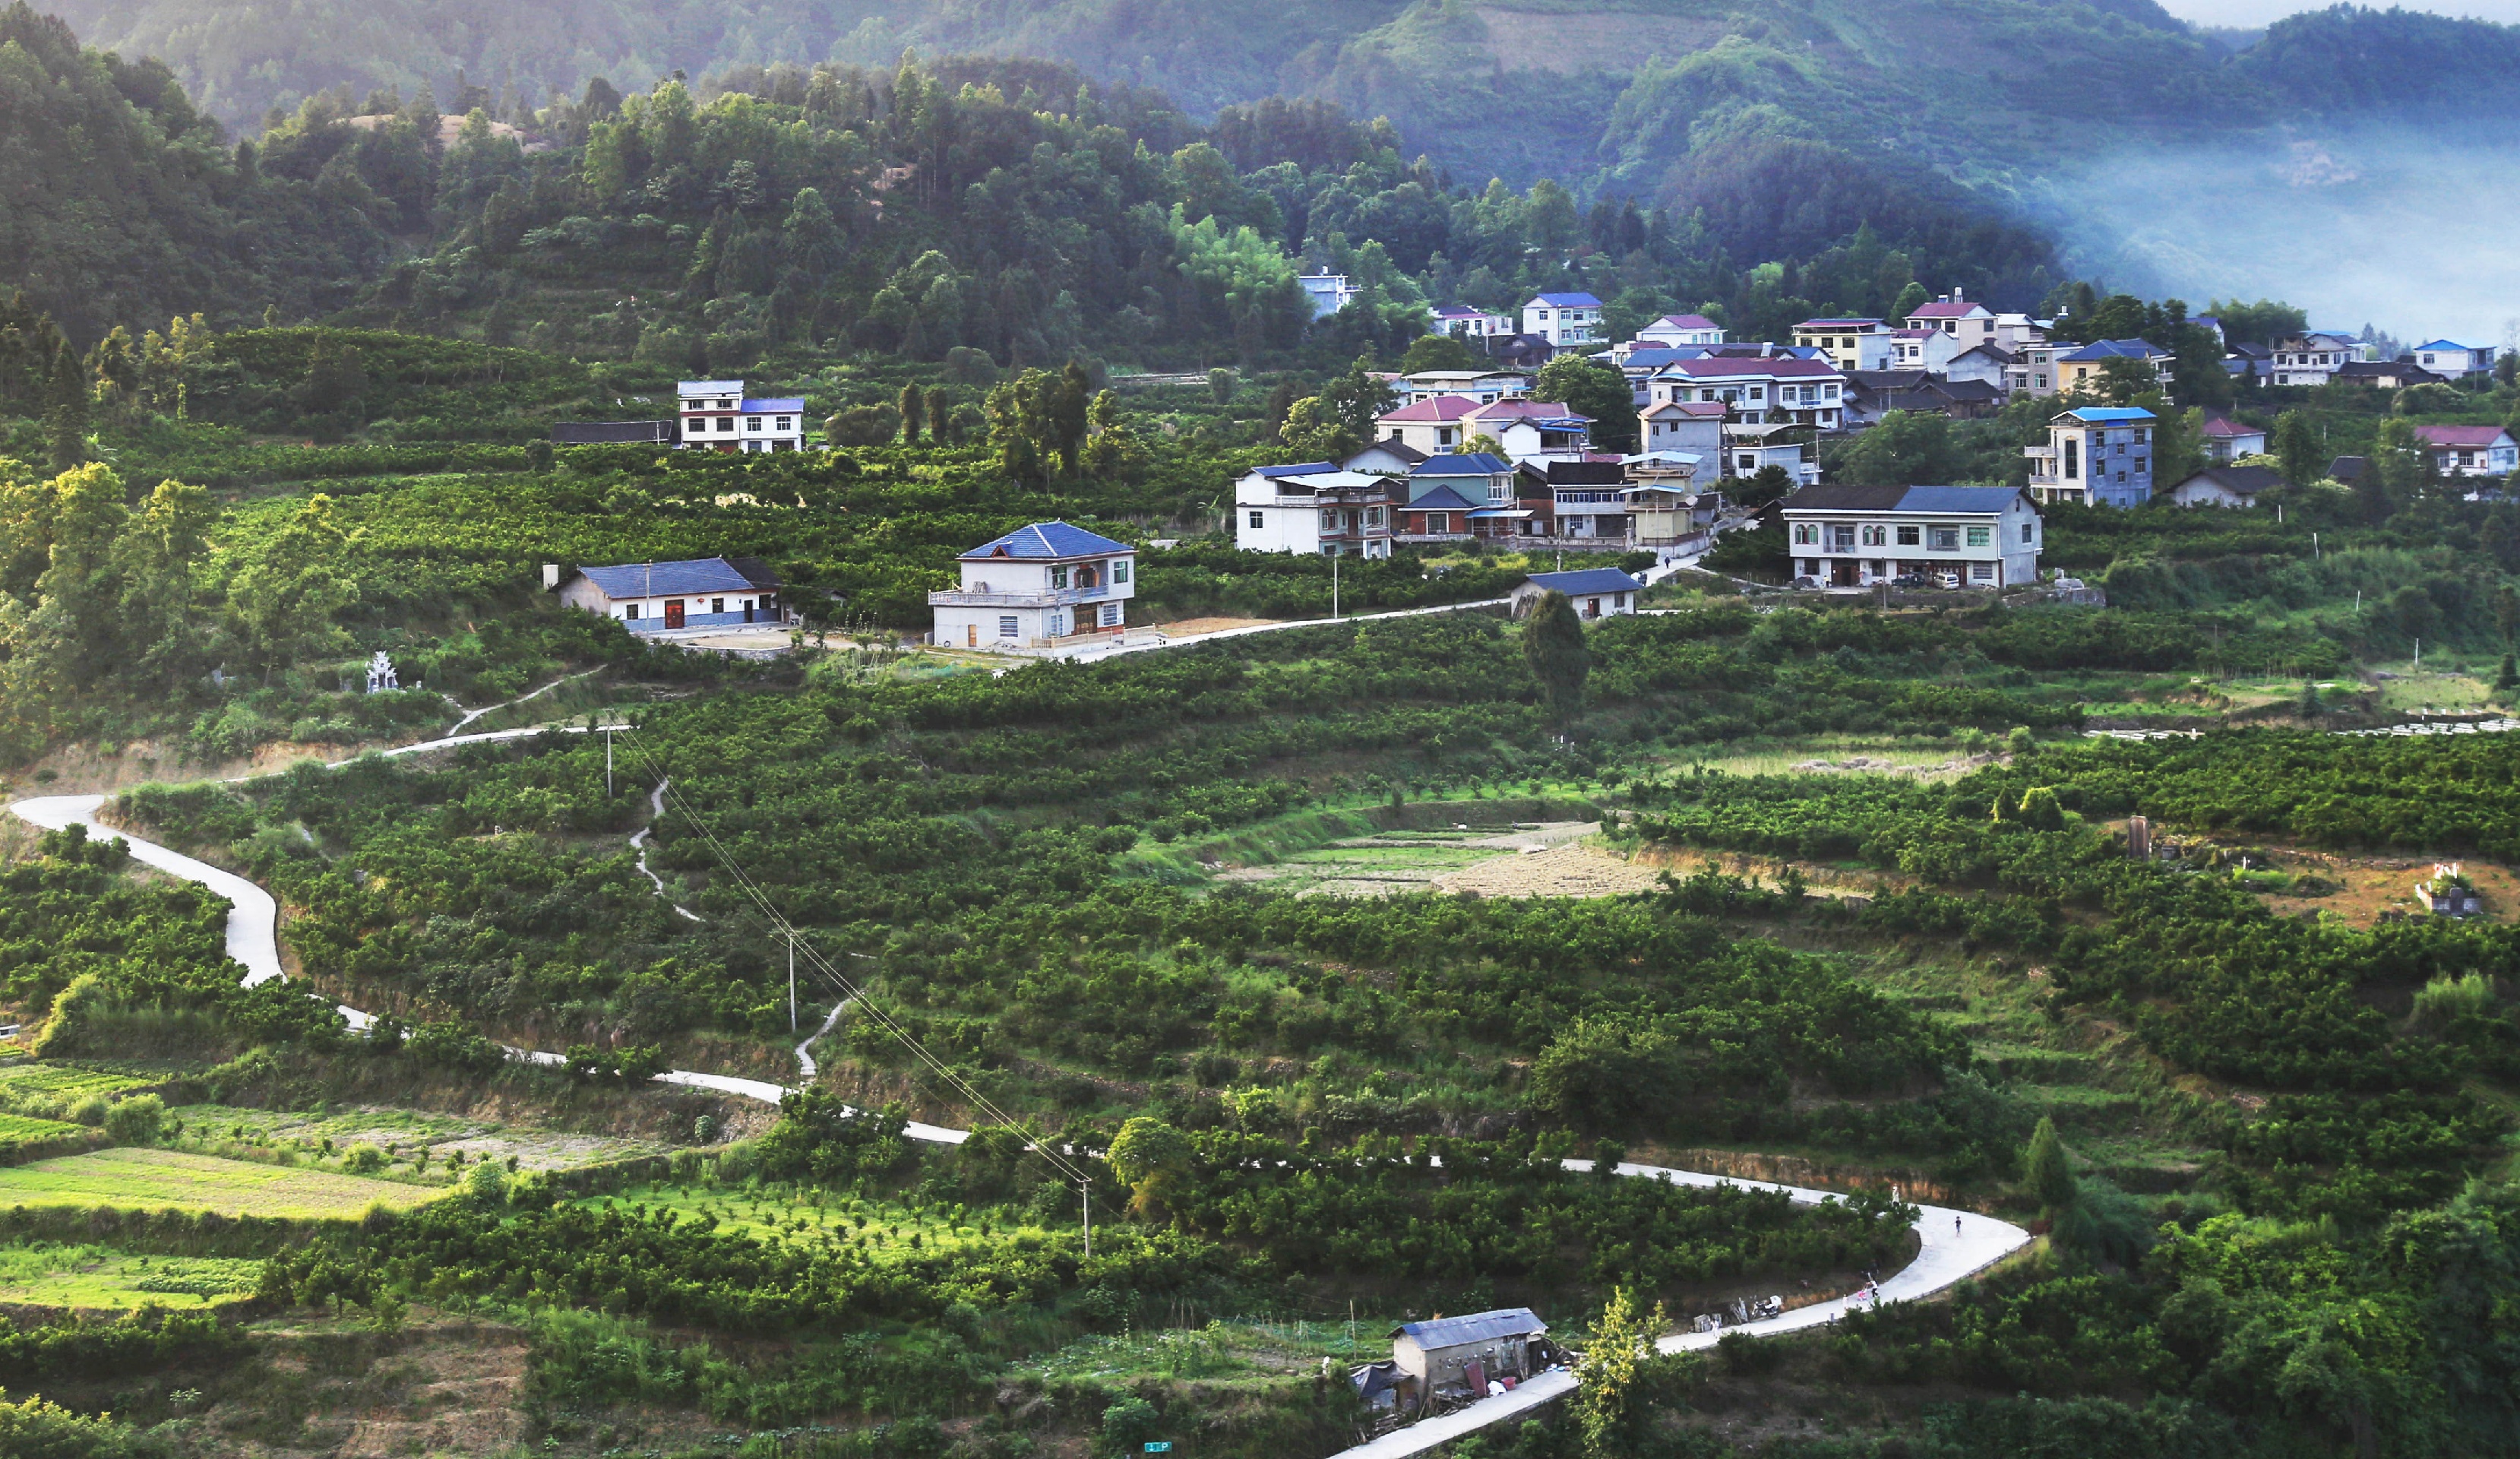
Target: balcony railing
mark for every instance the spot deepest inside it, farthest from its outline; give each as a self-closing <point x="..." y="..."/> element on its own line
<point x="1039" y="598"/>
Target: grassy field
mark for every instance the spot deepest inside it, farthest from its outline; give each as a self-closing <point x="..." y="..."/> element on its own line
<point x="56" y="1275"/>
<point x="820" y="1219"/>
<point x="27" y="1081"/>
<point x="162" y="1179"/>
<point x="401" y="1135"/>
<point x="20" y="1129"/>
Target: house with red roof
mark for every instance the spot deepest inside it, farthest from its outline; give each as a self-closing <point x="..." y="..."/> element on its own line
<point x="1431" y="427"/>
<point x="1673" y="331"/>
<point x="2227" y="440"/>
<point x="2470" y="450"/>
<point x="1759" y="391"/>
<point x="1964" y="320"/>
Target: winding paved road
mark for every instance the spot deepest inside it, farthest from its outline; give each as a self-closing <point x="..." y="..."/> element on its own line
<point x="1953" y="1244"/>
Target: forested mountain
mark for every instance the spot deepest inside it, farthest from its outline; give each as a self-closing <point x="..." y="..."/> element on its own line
<point x="121" y="201"/>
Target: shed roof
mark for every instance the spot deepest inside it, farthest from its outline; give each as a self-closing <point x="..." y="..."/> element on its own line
<point x="1475" y="464"/>
<point x="1566" y="301"/>
<point x="775" y="405"/>
<point x="2119" y="349"/>
<point x="2239" y="481"/>
<point x="1442" y="499"/>
<point x="1047" y="541"/>
<point x="707" y="574"/>
<point x="1938" y="501"/>
<point x="1477" y="1327"/>
<point x="709" y="387"/>
<point x="1684" y="322"/>
<point x="1585" y="580"/>
<point x="2461" y="435"/>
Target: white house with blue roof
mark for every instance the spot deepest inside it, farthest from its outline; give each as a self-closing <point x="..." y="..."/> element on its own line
<point x="1035" y="586"/>
<point x="1565" y="320"/>
<point x="1596" y="592"/>
<point x="717" y="416"/>
<point x="2454" y="359"/>
<point x="710" y="592"/>
<point x="1956" y="537"/>
<point x="2096" y="456"/>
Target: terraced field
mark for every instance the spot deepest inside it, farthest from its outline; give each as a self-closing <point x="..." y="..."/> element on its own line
<point x="171" y="1179"/>
<point x="402" y="1134"/>
<point x="101" y="1277"/>
<point x="1544" y="858"/>
<point x="880" y="1228"/>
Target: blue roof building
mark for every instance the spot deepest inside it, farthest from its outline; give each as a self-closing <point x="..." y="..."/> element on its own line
<point x="1565" y="320"/>
<point x="2096" y="455"/>
<point x="1040" y="586"/>
<point x="710" y="592"/>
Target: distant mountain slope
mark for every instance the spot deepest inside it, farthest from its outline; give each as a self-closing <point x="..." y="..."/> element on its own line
<point x="118" y="201"/>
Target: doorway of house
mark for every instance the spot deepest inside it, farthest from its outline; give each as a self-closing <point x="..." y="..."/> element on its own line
<point x="674" y="613"/>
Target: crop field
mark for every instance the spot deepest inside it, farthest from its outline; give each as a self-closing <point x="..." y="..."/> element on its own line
<point x="880" y="1228"/>
<point x="400" y="1135"/>
<point x="1224" y="1349"/>
<point x="1390" y="862"/>
<point x="18" y="1130"/>
<point x="162" y="1179"/>
<point x="88" y="1276"/>
<point x="60" y="1083"/>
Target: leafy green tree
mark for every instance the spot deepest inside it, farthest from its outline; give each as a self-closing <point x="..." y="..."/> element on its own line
<point x="810" y="238"/>
<point x="2047" y="1170"/>
<point x="155" y="558"/>
<point x="1221" y="383"/>
<point x="2297" y="446"/>
<point x="1151" y="1156"/>
<point x="914" y="412"/>
<point x="336" y="377"/>
<point x="1592" y="388"/>
<point x="1904" y="448"/>
<point x="287" y="587"/>
<point x="940" y="415"/>
<point x="1552" y="645"/>
<point x="1610" y="1407"/>
<point x="64" y="639"/>
<point x="1438" y="352"/>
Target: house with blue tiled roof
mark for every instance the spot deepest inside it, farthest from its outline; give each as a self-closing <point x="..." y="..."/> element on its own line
<point x="717" y="416"/>
<point x="646" y="598"/>
<point x="2096" y="456"/>
<point x="2087" y="368"/>
<point x="1565" y="320"/>
<point x="1036" y="586"/>
<point x="1953" y="537"/>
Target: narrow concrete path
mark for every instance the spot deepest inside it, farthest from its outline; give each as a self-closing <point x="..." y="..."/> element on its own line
<point x="471" y="714"/>
<point x="639" y="843"/>
<point x="1953" y="1243"/>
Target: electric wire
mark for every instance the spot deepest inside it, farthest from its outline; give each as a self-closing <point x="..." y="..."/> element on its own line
<point x="840" y="981"/>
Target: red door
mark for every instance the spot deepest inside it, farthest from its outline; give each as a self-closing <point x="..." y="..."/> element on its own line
<point x="674" y="613"/>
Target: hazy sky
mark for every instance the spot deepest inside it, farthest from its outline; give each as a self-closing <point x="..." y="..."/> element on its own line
<point x="2260" y="11"/>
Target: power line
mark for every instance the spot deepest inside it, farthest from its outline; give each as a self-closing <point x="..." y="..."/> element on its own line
<point x="843" y="982"/>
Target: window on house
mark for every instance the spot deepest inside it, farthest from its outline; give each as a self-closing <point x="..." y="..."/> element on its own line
<point x="1908" y="535"/>
<point x="630" y="612"/>
<point x="1841" y="536"/>
<point x="1111" y="615"/>
<point x="717" y="605"/>
<point x="2026" y="529"/>
<point x="1877" y="535"/>
<point x="1982" y="572"/>
<point x="1006" y="626"/>
<point x="1806" y="535"/>
<point x="1945" y="538"/>
<point x="725" y="423"/>
<point x="786" y="423"/>
<point x="1259" y="519"/>
<point x="1058" y="577"/>
<point x="1439" y="522"/>
<point x="1119" y="571"/>
<point x="1981" y="536"/>
<point x="752" y="423"/>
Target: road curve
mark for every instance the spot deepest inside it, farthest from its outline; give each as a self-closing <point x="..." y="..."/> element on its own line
<point x="1953" y="1243"/>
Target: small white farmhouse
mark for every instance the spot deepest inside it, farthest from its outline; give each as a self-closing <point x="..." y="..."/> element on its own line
<point x="1035" y="584"/>
<point x="710" y="592"/>
<point x="1962" y="536"/>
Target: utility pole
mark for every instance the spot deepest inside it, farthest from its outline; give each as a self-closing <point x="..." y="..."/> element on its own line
<point x="1334" y="567"/>
<point x="607" y="763"/>
<point x="792" y="980"/>
<point x="1085" y="1188"/>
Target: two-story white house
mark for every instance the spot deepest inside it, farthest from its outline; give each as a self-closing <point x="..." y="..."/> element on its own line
<point x="1959" y="536"/>
<point x="1314" y="509"/>
<point x="1851" y="344"/>
<point x="1531" y="430"/>
<point x="716" y="417"/>
<point x="2312" y="358"/>
<point x="1926" y="349"/>
<point x="1463" y="322"/>
<point x="646" y="598"/>
<point x="1485" y="386"/>
<point x="2470" y="450"/>
<point x="1758" y="389"/>
<point x="1565" y="320"/>
<point x="1034" y="586"/>
<point x="2227" y="440"/>
<point x="1673" y="331"/>
<point x="1968" y="323"/>
<point x="2096" y="455"/>
<point x="2448" y="357"/>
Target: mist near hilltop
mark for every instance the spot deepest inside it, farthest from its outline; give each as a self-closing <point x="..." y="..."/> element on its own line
<point x="2409" y="229"/>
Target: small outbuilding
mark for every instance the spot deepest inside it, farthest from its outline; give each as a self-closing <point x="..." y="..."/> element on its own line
<point x="1458" y="1356"/>
<point x="2225" y="487"/>
<point x="1596" y="592"/>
